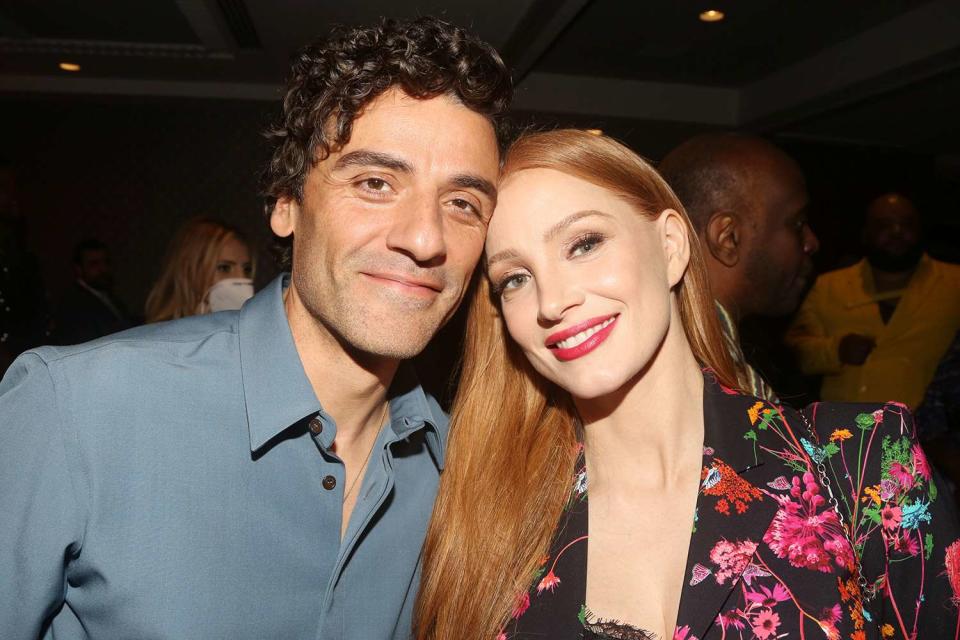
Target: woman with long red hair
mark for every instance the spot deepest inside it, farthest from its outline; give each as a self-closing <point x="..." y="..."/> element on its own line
<point x="605" y="478"/>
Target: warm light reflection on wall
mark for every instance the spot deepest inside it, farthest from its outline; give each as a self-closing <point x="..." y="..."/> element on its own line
<point x="69" y="66"/>
<point x="712" y="15"/>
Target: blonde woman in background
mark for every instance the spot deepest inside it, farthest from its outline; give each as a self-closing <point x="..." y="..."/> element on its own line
<point x="208" y="267"/>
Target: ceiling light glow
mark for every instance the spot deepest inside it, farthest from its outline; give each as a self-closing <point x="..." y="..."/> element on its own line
<point x="69" y="66"/>
<point x="712" y="15"/>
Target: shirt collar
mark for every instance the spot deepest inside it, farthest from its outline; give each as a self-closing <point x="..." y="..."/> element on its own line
<point x="278" y="393"/>
<point x="275" y="386"/>
<point x="726" y="418"/>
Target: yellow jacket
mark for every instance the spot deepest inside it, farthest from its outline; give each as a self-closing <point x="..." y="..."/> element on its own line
<point x="908" y="347"/>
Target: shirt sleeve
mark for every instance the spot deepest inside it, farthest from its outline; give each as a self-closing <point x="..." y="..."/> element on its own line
<point x="41" y="522"/>
<point x="907" y="527"/>
<point x="817" y="352"/>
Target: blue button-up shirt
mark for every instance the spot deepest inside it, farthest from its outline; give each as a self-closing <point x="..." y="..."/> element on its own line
<point x="165" y="483"/>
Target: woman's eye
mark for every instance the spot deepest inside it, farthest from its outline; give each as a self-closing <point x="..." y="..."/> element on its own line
<point x="223" y="267"/>
<point x="247" y="270"/>
<point x="514" y="281"/>
<point x="585" y="244"/>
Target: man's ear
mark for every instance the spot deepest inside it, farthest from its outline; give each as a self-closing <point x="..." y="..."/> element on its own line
<point x="283" y="218"/>
<point x="675" y="236"/>
<point x="722" y="237"/>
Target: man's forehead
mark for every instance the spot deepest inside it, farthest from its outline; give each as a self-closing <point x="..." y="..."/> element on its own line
<point x="398" y="117"/>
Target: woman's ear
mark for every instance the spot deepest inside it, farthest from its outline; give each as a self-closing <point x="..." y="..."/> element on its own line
<point x="676" y="241"/>
<point x="283" y="218"/>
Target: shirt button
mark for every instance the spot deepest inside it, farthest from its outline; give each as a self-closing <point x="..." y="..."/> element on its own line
<point x="329" y="482"/>
<point x="316" y="426"/>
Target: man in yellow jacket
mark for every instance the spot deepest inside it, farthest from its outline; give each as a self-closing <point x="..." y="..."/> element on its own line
<point x="876" y="330"/>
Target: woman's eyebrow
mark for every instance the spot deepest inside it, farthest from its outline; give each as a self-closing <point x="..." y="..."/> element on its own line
<point x="558" y="228"/>
<point x="500" y="256"/>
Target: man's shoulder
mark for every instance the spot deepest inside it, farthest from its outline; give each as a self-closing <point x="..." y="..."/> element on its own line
<point x="182" y="335"/>
<point x="842" y="274"/>
<point x="948" y="269"/>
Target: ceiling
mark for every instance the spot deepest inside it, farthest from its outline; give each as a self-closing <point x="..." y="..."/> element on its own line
<point x="884" y="73"/>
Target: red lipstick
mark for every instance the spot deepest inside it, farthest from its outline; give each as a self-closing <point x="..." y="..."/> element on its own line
<point x="583" y="347"/>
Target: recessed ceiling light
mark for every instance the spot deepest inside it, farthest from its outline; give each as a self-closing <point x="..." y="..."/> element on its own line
<point x="596" y="132"/>
<point x="712" y="15"/>
<point x="69" y="66"/>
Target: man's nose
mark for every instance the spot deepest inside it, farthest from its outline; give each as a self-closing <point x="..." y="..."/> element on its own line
<point x="418" y="231"/>
<point x="810" y="242"/>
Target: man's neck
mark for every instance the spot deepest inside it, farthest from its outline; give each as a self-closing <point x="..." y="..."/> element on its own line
<point x="352" y="388"/>
<point x="891" y="280"/>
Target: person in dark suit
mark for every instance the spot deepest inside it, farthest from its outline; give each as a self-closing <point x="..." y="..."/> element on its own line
<point x="89" y="309"/>
<point x="607" y="478"/>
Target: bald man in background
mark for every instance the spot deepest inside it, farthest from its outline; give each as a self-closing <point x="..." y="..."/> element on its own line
<point x="876" y="330"/>
<point x="748" y="201"/>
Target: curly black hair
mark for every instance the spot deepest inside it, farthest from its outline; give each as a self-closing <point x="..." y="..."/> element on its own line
<point x="333" y="78"/>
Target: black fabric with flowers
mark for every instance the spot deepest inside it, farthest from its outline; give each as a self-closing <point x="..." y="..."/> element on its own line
<point x="770" y="555"/>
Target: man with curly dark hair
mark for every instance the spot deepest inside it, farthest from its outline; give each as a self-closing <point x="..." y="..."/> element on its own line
<point x="269" y="473"/>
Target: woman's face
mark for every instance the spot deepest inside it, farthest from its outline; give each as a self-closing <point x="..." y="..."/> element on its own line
<point x="584" y="280"/>
<point x="233" y="261"/>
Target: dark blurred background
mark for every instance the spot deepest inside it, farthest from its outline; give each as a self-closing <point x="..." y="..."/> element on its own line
<point x="162" y="120"/>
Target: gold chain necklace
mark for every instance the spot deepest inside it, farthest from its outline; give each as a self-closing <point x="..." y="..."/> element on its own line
<point x="357" y="477"/>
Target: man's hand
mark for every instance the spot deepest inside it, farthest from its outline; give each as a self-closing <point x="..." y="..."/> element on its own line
<point x="855" y="347"/>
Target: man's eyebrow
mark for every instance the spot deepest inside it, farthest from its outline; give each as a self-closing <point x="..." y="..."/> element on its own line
<point x="467" y="181"/>
<point x="500" y="256"/>
<point x="557" y="229"/>
<point x="365" y="158"/>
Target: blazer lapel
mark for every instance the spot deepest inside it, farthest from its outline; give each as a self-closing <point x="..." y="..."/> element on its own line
<point x="733" y="511"/>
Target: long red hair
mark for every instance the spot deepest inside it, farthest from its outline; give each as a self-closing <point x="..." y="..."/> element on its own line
<point x="513" y="434"/>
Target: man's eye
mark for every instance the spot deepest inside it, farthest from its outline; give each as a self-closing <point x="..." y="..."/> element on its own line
<point x="375" y="184"/>
<point x="465" y="205"/>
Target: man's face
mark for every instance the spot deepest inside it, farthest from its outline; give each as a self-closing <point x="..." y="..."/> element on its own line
<point x="780" y="243"/>
<point x="892" y="234"/>
<point x="95" y="270"/>
<point x="391" y="226"/>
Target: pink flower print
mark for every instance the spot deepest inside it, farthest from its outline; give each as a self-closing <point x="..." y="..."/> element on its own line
<point x="732" y="618"/>
<point x="765" y="624"/>
<point x="502" y="636"/>
<point x="890" y="517"/>
<point x="523" y="603"/>
<point x="878" y="416"/>
<point x="805" y="535"/>
<point x="768" y="597"/>
<point x="906" y="543"/>
<point x="549" y="582"/>
<point x="902" y="475"/>
<point x="888" y="489"/>
<point x="952" y="562"/>
<point x="832" y="615"/>
<point x="682" y="633"/>
<point x="920" y="465"/>
<point x="732" y="558"/>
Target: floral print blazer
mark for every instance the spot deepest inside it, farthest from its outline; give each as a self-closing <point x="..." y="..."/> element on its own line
<point x="771" y="555"/>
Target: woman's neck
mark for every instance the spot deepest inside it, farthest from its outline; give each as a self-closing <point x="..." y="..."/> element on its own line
<point x="650" y="434"/>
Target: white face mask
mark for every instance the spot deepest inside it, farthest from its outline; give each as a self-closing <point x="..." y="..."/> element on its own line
<point x="227" y="295"/>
